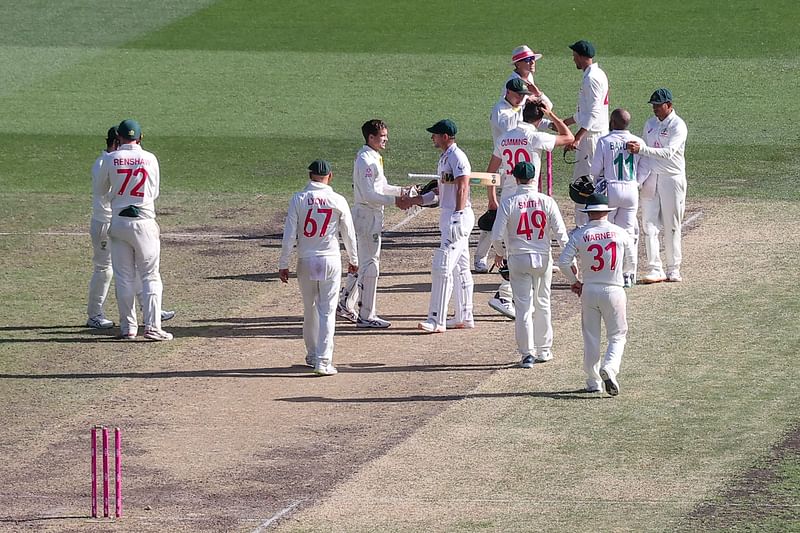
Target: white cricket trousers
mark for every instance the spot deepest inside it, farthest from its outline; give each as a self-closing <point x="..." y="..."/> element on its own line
<point x="583" y="163"/>
<point x="602" y="303"/>
<point x="624" y="196"/>
<point x="102" y="272"/>
<point x="320" y="279"/>
<point x="450" y="272"/>
<point x="136" y="246"/>
<point x="531" y="276"/>
<point x="665" y="208"/>
<point x="362" y="288"/>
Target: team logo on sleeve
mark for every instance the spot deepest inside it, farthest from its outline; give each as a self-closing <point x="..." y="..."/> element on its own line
<point x="368" y="173"/>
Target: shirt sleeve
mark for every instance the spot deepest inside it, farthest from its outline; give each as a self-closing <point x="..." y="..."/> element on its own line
<point x="289" y="234"/>
<point x="566" y="258"/>
<point x="499" y="229"/>
<point x="374" y="192"/>
<point x="556" y="224"/>
<point x="101" y="182"/>
<point x="596" y="98"/>
<point x="676" y="142"/>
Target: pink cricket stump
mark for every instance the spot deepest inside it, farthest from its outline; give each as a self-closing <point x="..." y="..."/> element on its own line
<point x="93" y="434"/>
<point x="549" y="173"/>
<point x="117" y="472"/>
<point x="105" y="471"/>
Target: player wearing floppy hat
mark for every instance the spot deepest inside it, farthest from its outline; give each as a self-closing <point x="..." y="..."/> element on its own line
<point x="663" y="193"/>
<point x="604" y="251"/>
<point x="526" y="223"/>
<point x="591" y="112"/>
<point x="315" y="217"/>
<point x="523" y="59"/>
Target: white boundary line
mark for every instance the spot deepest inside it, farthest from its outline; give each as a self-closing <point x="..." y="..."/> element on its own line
<point x="277" y="516"/>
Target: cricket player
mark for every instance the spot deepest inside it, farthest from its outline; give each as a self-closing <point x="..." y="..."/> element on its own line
<point x="505" y="116"/>
<point x="523" y="59"/>
<point x="522" y="144"/>
<point x="526" y="222"/>
<point x="371" y="192"/>
<point x="131" y="176"/>
<point x="102" y="272"/>
<point x="591" y="114"/>
<point x="101" y="258"/>
<point x="315" y="218"/>
<point x="664" y="188"/>
<point x="450" y="270"/>
<point x="615" y="173"/>
<point x="604" y="252"/>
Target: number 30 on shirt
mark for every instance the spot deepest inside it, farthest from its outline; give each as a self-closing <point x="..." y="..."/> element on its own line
<point x="311" y="224"/>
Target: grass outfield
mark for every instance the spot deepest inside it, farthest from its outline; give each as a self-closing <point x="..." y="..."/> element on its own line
<point x="236" y="97"/>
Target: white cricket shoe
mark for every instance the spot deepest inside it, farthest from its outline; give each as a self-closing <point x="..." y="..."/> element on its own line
<point x="503" y="306"/>
<point x="429" y="326"/>
<point x="654" y="276"/>
<point x="610" y="381"/>
<point x="127" y="336"/>
<point x="481" y="267"/>
<point x="544" y="357"/>
<point x="99" y="322"/>
<point x="154" y="334"/>
<point x="674" y="276"/>
<point x="347" y="314"/>
<point x="167" y="315"/>
<point x="465" y="324"/>
<point x="325" y="369"/>
<point x="376" y="322"/>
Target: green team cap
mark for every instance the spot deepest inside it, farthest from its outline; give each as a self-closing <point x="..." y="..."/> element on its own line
<point x="583" y="48"/>
<point x="444" y="126"/>
<point x="524" y="170"/>
<point x="518" y="86"/>
<point x="661" y="96"/>
<point x="130" y="130"/>
<point x="320" y="167"/>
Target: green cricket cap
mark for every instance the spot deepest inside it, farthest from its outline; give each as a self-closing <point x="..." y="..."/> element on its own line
<point x="583" y="48"/>
<point x="524" y="170"/>
<point x="661" y="96"/>
<point x="518" y="86"/>
<point x="320" y="167"/>
<point x="444" y="126"/>
<point x="130" y="130"/>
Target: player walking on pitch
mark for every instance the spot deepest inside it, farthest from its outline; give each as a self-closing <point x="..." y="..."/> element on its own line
<point x="591" y="114"/>
<point x="604" y="252"/>
<point x="615" y="173"/>
<point x="524" y="143"/>
<point x="316" y="216"/>
<point x="371" y="192"/>
<point x="450" y="270"/>
<point x="131" y="176"/>
<point x="664" y="188"/>
<point x="526" y="222"/>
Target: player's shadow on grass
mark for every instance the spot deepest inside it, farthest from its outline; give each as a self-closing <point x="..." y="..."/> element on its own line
<point x="579" y="394"/>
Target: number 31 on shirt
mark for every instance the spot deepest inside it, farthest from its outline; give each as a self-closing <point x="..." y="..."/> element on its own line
<point x="600" y="260"/>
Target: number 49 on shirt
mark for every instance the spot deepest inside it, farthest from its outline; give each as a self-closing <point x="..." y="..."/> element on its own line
<point x="528" y="222"/>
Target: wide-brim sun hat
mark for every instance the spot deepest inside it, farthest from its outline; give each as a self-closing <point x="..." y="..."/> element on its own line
<point x="523" y="52"/>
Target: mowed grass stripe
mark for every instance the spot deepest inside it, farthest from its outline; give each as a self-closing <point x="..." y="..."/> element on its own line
<point x="481" y="28"/>
<point x="703" y="391"/>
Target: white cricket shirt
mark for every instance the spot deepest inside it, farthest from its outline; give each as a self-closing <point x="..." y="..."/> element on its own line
<point x="666" y="143"/>
<point x="504" y="117"/>
<point x="591" y="113"/>
<point x="527" y="221"/>
<point x="101" y="203"/>
<point x="604" y="251"/>
<point x="315" y="218"/>
<point x="523" y="143"/>
<point x="613" y="162"/>
<point x="132" y="175"/>
<point x="453" y="163"/>
<point x="370" y="187"/>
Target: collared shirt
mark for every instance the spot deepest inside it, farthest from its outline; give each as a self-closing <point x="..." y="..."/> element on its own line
<point x="131" y="175"/>
<point x="523" y="143"/>
<point x="666" y="143"/>
<point x="604" y="251"/>
<point x="453" y="163"/>
<point x="527" y="221"/>
<point x="101" y="203"/>
<point x="504" y="117"/>
<point x="316" y="216"/>
<point x="370" y="187"/>
<point x="614" y="163"/>
<point x="591" y="113"/>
